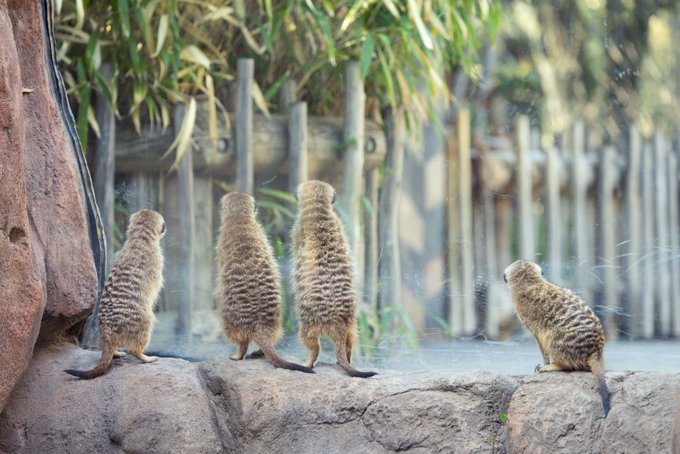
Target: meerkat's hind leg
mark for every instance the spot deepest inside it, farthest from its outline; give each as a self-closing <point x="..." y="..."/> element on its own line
<point x="256" y="354"/>
<point x="312" y="343"/>
<point x="242" y="349"/>
<point x="118" y="354"/>
<point x="550" y="368"/>
<point x="139" y="354"/>
<point x="349" y="341"/>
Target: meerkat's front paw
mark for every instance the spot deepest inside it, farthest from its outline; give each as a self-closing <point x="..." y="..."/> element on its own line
<point x="236" y="357"/>
<point x="118" y="354"/>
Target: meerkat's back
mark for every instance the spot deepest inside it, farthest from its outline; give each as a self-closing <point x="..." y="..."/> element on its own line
<point x="248" y="281"/>
<point x="130" y="292"/>
<point x="568" y="333"/>
<point x="325" y="297"/>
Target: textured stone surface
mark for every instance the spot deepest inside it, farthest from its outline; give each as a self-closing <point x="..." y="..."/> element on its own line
<point x="267" y="410"/>
<point x="562" y="412"/>
<point x="160" y="407"/>
<point x="48" y="280"/>
<point x="249" y="406"/>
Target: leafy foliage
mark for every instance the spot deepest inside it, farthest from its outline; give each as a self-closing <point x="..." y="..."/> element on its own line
<point x="163" y="51"/>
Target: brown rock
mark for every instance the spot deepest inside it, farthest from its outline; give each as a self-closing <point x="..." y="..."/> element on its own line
<point x="562" y="412"/>
<point x="271" y="410"/>
<point x="48" y="280"/>
<point x="160" y="407"/>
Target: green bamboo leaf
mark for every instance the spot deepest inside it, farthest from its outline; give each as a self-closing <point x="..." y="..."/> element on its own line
<point x="414" y="13"/>
<point x="80" y="14"/>
<point x="124" y="15"/>
<point x="161" y="35"/>
<point x="366" y="56"/>
<point x="259" y="99"/>
<point x="277" y="193"/>
<point x="193" y="54"/>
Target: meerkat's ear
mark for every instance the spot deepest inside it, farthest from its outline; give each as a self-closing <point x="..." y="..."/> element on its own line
<point x="162" y="227"/>
<point x="334" y="197"/>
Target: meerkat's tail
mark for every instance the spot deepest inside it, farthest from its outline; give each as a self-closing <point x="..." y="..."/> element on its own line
<point x="596" y="363"/>
<point x="267" y="347"/>
<point x="100" y="368"/>
<point x="341" y="356"/>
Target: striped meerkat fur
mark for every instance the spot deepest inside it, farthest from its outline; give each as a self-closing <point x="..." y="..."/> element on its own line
<point x="568" y="332"/>
<point x="325" y="296"/>
<point x="248" y="281"/>
<point x="126" y="310"/>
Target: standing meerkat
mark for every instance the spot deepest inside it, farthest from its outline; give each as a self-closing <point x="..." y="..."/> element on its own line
<point x="325" y="297"/>
<point x="567" y="331"/>
<point x="248" y="281"/>
<point x="129" y="296"/>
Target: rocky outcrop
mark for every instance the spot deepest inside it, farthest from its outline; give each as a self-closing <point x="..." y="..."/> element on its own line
<point x="248" y="406"/>
<point x="48" y="280"/>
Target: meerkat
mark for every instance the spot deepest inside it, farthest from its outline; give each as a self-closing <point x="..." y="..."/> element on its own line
<point x="322" y="278"/>
<point x="568" y="333"/>
<point x="126" y="312"/>
<point x="248" y="282"/>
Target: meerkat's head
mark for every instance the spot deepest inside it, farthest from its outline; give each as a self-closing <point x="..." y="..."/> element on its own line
<point x="237" y="205"/>
<point x="522" y="272"/>
<point x="149" y="221"/>
<point x="315" y="191"/>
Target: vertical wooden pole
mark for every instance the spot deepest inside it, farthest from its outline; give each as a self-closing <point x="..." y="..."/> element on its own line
<point x="203" y="242"/>
<point x="389" y="265"/>
<point x="648" y="275"/>
<point x="633" y="223"/>
<point x="487" y="244"/>
<point x="662" y="257"/>
<point x="244" y="125"/>
<point x="297" y="145"/>
<point x="607" y="240"/>
<point x="674" y="223"/>
<point x="371" y="229"/>
<point x="554" y="213"/>
<point x="287" y="95"/>
<point x="524" y="189"/>
<point x="464" y="166"/>
<point x="297" y="164"/>
<point x="353" y="140"/>
<point x="185" y="185"/>
<point x="104" y="165"/>
<point x="581" y="212"/>
<point x="455" y="319"/>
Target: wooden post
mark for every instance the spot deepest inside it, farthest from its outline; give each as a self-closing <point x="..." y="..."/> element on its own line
<point x="466" y="239"/>
<point x="297" y="145"/>
<point x="581" y="212"/>
<point x="244" y="125"/>
<point x="371" y="229"/>
<point x="185" y="184"/>
<point x="488" y="257"/>
<point x="287" y="95"/>
<point x="455" y="318"/>
<point x="390" y="195"/>
<point x="554" y="213"/>
<point x="633" y="224"/>
<point x="297" y="165"/>
<point x="524" y="190"/>
<point x="607" y="240"/>
<point x="104" y="165"/>
<point x="662" y="257"/>
<point x="674" y="223"/>
<point x="353" y="140"/>
<point x="648" y="275"/>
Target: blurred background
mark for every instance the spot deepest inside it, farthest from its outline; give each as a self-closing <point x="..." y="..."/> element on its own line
<point x="459" y="135"/>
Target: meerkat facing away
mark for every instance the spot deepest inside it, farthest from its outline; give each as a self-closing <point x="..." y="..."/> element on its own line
<point x="248" y="281"/>
<point x="126" y="311"/>
<point x="325" y="297"/>
<point x="568" y="332"/>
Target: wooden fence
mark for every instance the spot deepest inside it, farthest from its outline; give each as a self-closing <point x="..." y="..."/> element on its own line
<point x="601" y="220"/>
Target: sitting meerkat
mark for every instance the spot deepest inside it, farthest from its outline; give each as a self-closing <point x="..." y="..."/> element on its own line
<point x="248" y="282"/>
<point x="568" y="332"/>
<point x="126" y="311"/>
<point x="324" y="292"/>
